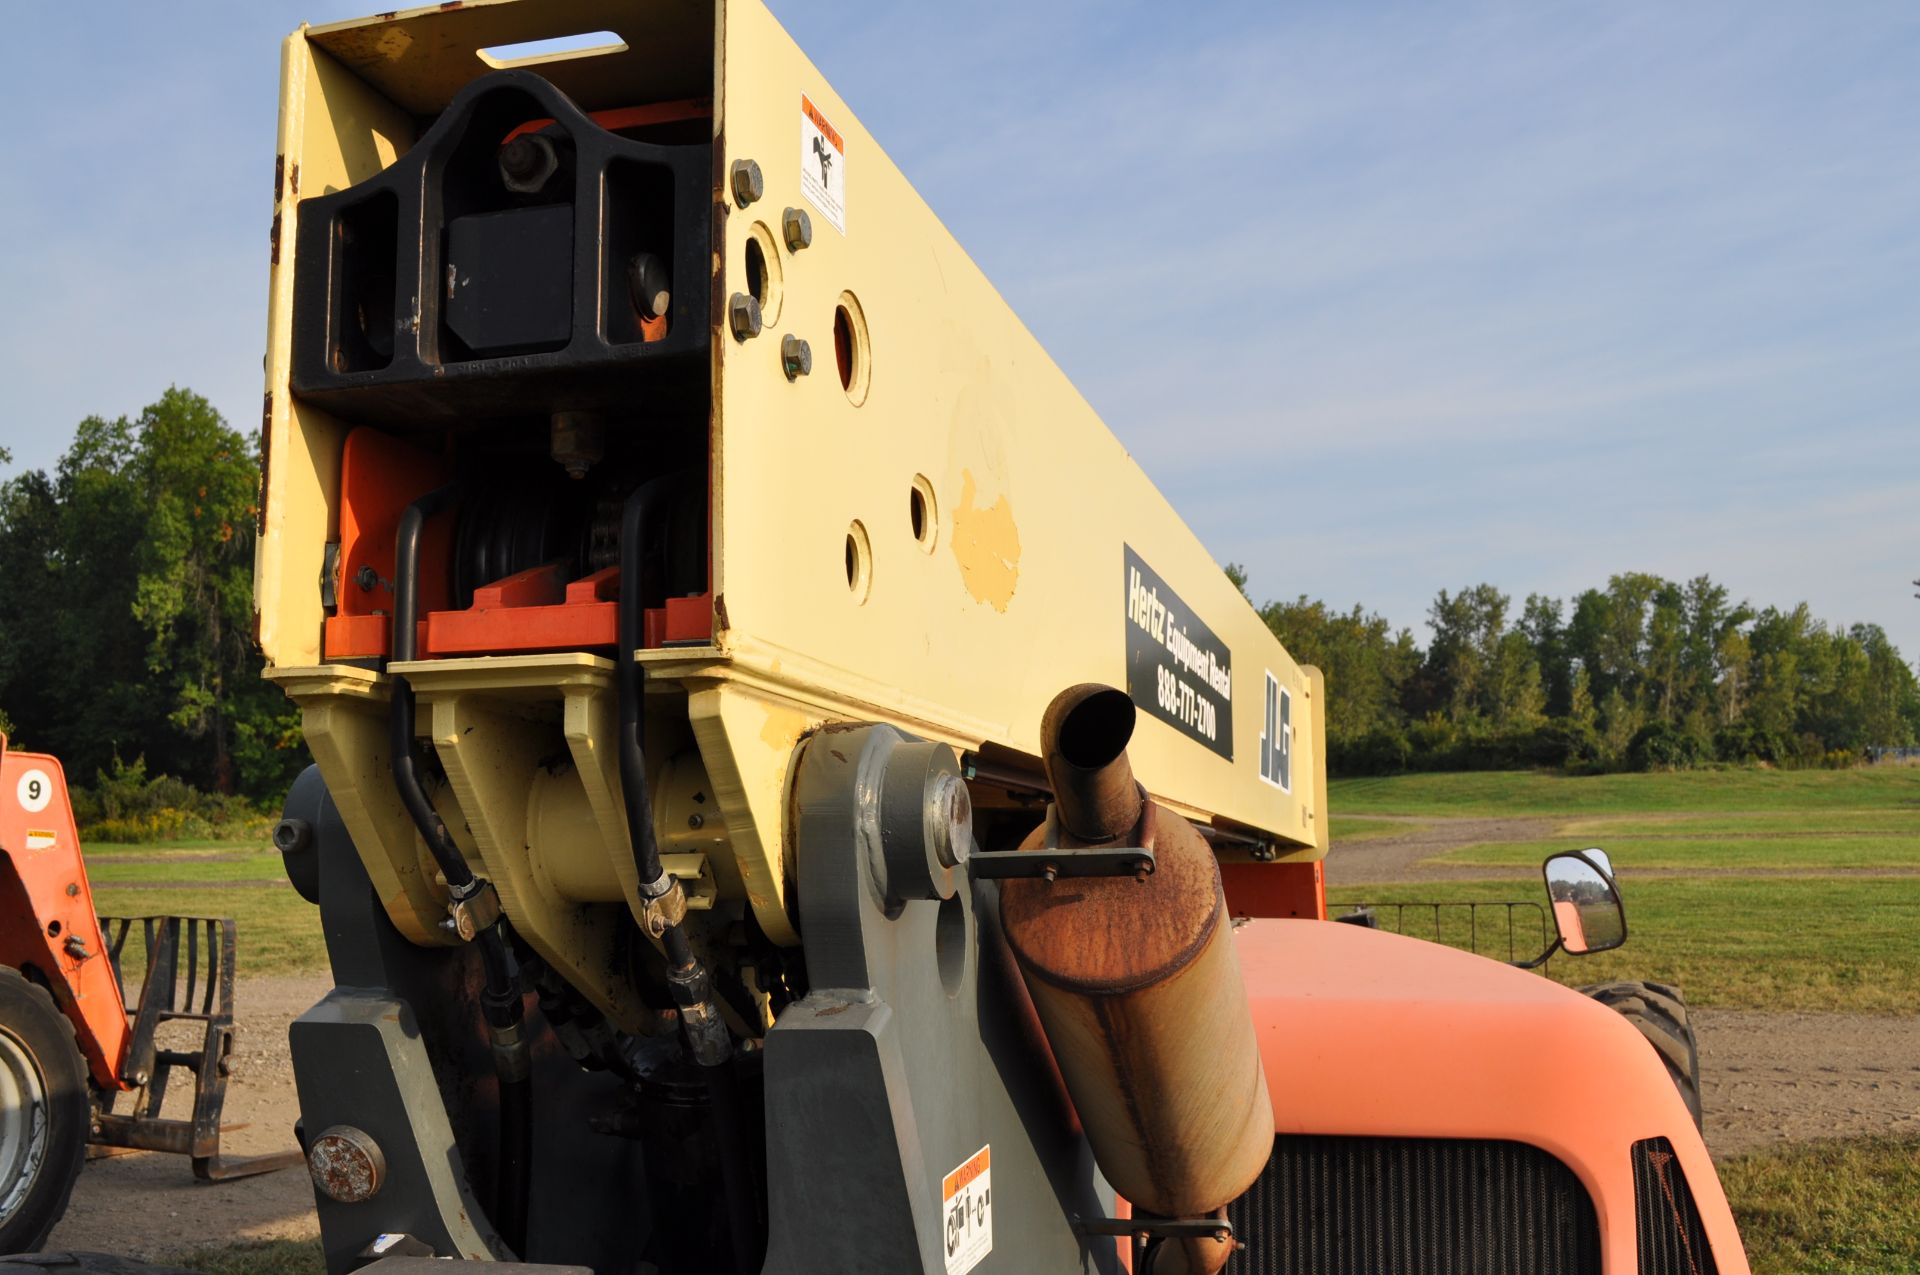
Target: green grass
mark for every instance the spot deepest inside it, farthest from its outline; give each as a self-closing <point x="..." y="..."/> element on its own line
<point x="1514" y="793"/>
<point x="1829" y="1208"/>
<point x="257" y="1257"/>
<point x="1835" y="944"/>
<point x="279" y="932"/>
<point x="1805" y="854"/>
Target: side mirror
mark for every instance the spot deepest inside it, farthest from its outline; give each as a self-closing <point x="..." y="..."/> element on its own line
<point x="1586" y="903"/>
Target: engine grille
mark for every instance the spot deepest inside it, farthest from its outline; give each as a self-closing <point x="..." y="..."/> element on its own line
<point x="1671" y="1238"/>
<point x="1386" y="1206"/>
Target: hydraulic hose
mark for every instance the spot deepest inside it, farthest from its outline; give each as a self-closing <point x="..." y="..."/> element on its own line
<point x="501" y="1003"/>
<point x="706" y="1034"/>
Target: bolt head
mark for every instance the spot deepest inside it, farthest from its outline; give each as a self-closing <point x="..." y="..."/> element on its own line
<point x="743" y="313"/>
<point x="347" y="1164"/>
<point x="797" y="227"/>
<point x="291" y="836"/>
<point x="748" y="184"/>
<point x="796" y="357"/>
<point x="528" y="163"/>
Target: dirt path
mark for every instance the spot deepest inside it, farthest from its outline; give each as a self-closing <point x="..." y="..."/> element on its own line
<point x="1772" y="1078"/>
<point x="1397" y="859"/>
<point x="1768" y="1079"/>
<point x="148" y="1204"/>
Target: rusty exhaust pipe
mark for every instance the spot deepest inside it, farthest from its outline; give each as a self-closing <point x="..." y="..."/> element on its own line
<point x="1138" y="986"/>
<point x="1083" y="742"/>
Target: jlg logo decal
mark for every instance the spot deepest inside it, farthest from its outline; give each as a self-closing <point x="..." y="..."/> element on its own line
<point x="1276" y="740"/>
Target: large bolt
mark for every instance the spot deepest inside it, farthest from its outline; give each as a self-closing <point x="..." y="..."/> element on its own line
<point x="743" y="313"/>
<point x="527" y="163"/>
<point x="748" y="184"/>
<point x="797" y="227"/>
<point x="347" y="1164"/>
<point x="291" y="836"/>
<point x="796" y="357"/>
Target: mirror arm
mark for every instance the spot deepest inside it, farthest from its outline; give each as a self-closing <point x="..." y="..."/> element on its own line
<point x="1541" y="959"/>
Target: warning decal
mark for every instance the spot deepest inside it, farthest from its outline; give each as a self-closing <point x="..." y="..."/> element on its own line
<point x="823" y="165"/>
<point x="1177" y="670"/>
<point x="966" y="1198"/>
<point x="40" y="839"/>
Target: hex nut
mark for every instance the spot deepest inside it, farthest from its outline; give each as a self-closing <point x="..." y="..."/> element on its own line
<point x="743" y="315"/>
<point x="748" y="184"/>
<point x="797" y="227"/>
<point x="528" y="163"/>
<point x="796" y="357"/>
<point x="291" y="836"/>
<point x="347" y="1164"/>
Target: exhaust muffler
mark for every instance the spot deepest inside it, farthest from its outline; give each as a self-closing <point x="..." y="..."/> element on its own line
<point x="1138" y="986"/>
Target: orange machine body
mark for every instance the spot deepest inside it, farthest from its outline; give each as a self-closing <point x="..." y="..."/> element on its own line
<point x="48" y="927"/>
<point x="534" y="610"/>
<point x="1364" y="1033"/>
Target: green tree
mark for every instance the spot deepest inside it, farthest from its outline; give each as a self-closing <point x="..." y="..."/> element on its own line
<point x="125" y="602"/>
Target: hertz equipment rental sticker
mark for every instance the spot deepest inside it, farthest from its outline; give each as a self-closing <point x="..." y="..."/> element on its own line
<point x="1177" y="669"/>
<point x="823" y="165"/>
<point x="966" y="1196"/>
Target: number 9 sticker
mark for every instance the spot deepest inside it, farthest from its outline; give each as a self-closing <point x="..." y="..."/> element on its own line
<point x="34" y="791"/>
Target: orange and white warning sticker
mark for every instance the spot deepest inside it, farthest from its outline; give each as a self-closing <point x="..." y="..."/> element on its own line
<point x="41" y="839"/>
<point x="966" y="1196"/>
<point x="823" y="165"/>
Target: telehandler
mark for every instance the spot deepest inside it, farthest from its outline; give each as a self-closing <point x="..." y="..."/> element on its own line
<point x="751" y="831"/>
<point x="72" y="1048"/>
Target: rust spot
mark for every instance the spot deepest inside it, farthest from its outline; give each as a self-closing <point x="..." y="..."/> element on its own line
<point x="266" y="454"/>
<point x="720" y="623"/>
<point x="279" y="174"/>
<point x="275" y="237"/>
<point x="347" y="1165"/>
<point x="986" y="543"/>
<point x="293" y="180"/>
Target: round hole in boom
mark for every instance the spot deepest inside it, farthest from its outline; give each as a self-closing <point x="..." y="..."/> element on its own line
<point x="859" y="562"/>
<point x="762" y="271"/>
<point x="850" y="351"/>
<point x="920" y="512"/>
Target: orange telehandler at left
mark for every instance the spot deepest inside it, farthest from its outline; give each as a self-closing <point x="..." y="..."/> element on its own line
<point x="86" y="1056"/>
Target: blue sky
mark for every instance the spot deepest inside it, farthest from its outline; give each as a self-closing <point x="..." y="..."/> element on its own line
<point x="1388" y="298"/>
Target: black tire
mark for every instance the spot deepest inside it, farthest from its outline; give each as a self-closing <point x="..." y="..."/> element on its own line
<point x="1661" y="1015"/>
<point x="82" y="1264"/>
<point x="37" y="1037"/>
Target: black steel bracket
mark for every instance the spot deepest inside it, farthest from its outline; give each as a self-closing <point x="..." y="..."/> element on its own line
<point x="999" y="865"/>
<point x="1144" y="1230"/>
<point x="198" y="991"/>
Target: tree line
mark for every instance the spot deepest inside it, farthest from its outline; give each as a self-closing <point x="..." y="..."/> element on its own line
<point x="126" y="607"/>
<point x="1644" y="674"/>
<point x="126" y="646"/>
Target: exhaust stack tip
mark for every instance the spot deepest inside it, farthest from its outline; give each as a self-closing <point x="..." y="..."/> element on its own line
<point x="1083" y="741"/>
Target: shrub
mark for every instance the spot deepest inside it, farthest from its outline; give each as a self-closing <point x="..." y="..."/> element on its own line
<point x="125" y="805"/>
<point x="1665" y="746"/>
<point x="1383" y="750"/>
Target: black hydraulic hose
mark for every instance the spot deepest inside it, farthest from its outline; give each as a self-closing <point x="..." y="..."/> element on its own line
<point x="707" y="1037"/>
<point x="501" y="1002"/>
<point x="406" y="614"/>
<point x="633" y="687"/>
